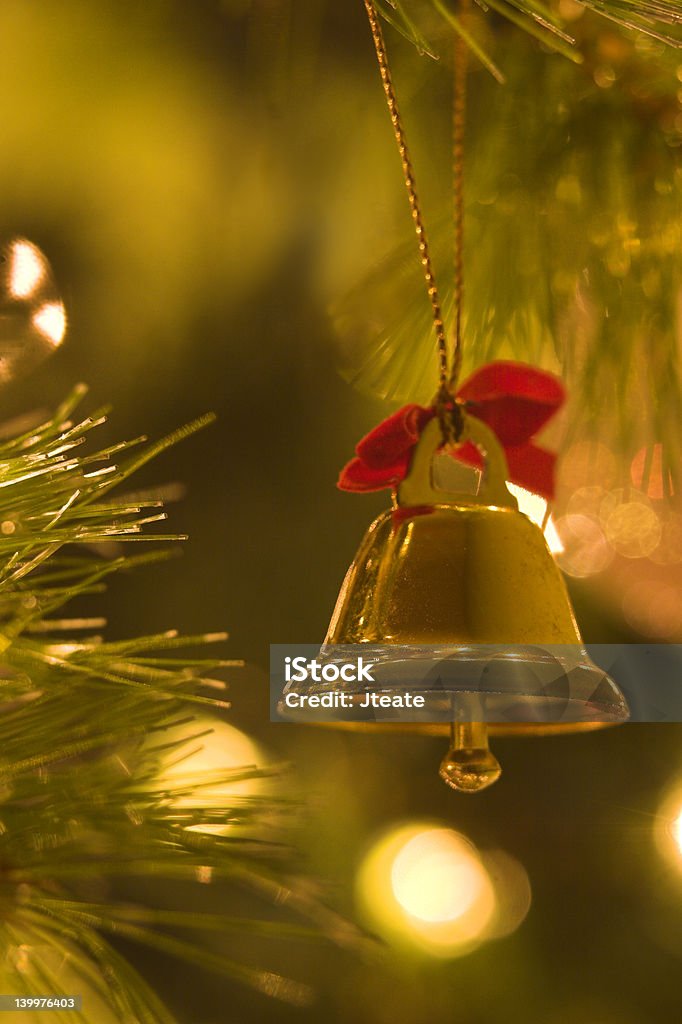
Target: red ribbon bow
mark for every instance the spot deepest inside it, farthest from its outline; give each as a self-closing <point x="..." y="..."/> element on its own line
<point x="514" y="400"/>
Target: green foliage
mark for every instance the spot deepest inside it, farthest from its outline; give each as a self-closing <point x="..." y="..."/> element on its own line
<point x="573" y="239"/>
<point x="546" y="22"/>
<point x="88" y="729"/>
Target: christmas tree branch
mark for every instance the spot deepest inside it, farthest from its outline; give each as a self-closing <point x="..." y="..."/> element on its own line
<point x="659" y="21"/>
<point x="92" y="733"/>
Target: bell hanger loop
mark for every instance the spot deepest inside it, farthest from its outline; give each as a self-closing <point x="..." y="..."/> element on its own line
<point x="418" y="489"/>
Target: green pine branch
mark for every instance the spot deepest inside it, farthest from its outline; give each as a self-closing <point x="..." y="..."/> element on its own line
<point x="88" y="731"/>
<point x="659" y="20"/>
<point x="572" y="242"/>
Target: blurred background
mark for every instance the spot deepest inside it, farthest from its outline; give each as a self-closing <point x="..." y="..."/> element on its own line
<point x="208" y="180"/>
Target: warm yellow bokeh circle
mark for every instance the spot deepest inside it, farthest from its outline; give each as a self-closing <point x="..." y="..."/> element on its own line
<point x="668" y="827"/>
<point x="424" y="887"/>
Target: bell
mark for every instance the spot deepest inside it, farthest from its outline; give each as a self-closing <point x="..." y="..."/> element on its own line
<point x="464" y="592"/>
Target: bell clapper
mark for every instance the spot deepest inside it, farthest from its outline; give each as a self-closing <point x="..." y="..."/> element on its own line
<point x="469" y="764"/>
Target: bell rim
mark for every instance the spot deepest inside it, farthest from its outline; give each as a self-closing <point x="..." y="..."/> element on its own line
<point x="586" y="696"/>
<point x="522" y="730"/>
<point x="587" y="715"/>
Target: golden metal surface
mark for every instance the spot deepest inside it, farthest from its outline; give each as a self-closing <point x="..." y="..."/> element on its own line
<point x="456" y="575"/>
<point x="456" y="569"/>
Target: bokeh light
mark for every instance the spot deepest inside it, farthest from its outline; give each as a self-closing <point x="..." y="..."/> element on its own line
<point x="27" y="269"/>
<point x="586" y="501"/>
<point x="50" y="320"/>
<point x="648" y="473"/>
<point x="434" y="878"/>
<point x="585" y="549"/>
<point x="677" y="831"/>
<point x="654" y="608"/>
<point x="535" y="507"/>
<point x="668" y="827"/>
<point x="32" y="314"/>
<point x="220" y="761"/>
<point x="669" y="549"/>
<point x="630" y="523"/>
<point x="425" y="889"/>
<point x="512" y="892"/>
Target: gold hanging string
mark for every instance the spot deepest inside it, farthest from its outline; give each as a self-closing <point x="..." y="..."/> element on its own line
<point x="449" y="413"/>
<point x="458" y="129"/>
<point x="415" y="209"/>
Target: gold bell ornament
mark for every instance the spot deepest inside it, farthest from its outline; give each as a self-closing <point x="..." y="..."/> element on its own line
<point x="456" y="597"/>
<point x="461" y="591"/>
